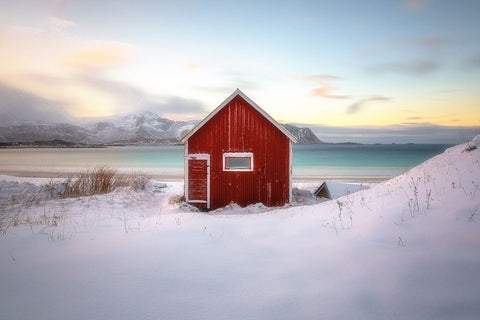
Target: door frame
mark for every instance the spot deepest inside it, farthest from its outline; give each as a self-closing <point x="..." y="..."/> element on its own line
<point x="197" y="156"/>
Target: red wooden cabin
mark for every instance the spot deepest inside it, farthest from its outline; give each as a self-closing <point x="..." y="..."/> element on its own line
<point x="240" y="154"/>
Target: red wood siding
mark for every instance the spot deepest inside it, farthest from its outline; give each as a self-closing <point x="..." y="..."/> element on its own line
<point x="238" y="127"/>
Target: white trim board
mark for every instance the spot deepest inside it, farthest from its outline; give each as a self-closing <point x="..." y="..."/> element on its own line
<point x="238" y="155"/>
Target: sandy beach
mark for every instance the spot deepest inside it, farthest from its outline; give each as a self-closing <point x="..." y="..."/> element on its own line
<point x="180" y="178"/>
<point x="310" y="163"/>
<point x="175" y="174"/>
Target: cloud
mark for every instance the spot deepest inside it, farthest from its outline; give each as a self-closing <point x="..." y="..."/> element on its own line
<point x="18" y="105"/>
<point x="415" y="6"/>
<point x="242" y="80"/>
<point x="325" y="92"/>
<point x="62" y="23"/>
<point x="102" y="55"/>
<point x="416" y="68"/>
<point x="100" y="96"/>
<point x="174" y="105"/>
<point x="415" y="118"/>
<point x="473" y="61"/>
<point x="130" y="98"/>
<point x="431" y="42"/>
<point x="319" y="78"/>
<point x="125" y="94"/>
<point x="259" y="65"/>
<point x="193" y="66"/>
<point x="22" y="31"/>
<point x="359" y="105"/>
<point x="428" y="46"/>
<point x="400" y="133"/>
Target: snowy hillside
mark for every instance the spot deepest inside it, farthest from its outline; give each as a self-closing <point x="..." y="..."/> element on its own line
<point x="405" y="249"/>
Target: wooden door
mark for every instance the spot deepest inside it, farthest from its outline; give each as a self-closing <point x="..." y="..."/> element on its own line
<point x="199" y="180"/>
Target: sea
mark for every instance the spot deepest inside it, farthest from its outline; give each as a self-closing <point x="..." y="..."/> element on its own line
<point x="346" y="162"/>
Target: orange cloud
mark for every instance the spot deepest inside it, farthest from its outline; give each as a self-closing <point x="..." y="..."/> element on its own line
<point x="193" y="66"/>
<point x="415" y="5"/>
<point x="325" y="92"/>
<point x="102" y="55"/>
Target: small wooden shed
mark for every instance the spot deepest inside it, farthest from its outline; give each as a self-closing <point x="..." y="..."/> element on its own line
<point x="323" y="191"/>
<point x="239" y="154"/>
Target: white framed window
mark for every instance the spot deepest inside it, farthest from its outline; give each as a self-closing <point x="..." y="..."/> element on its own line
<point x="238" y="161"/>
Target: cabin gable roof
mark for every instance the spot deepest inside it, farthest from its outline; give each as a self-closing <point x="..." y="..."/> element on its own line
<point x="238" y="92"/>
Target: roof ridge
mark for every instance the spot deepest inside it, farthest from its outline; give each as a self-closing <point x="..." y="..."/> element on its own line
<point x="240" y="93"/>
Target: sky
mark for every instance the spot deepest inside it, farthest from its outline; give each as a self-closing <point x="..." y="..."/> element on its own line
<point x="362" y="71"/>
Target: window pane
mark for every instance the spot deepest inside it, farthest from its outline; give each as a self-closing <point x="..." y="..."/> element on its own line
<point x="237" y="163"/>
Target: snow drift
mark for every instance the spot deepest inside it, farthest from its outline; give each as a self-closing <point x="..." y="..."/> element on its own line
<point x="405" y="249"/>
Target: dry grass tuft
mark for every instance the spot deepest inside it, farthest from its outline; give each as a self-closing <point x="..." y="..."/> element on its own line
<point x="176" y="199"/>
<point x="18" y="200"/>
<point x="99" y="180"/>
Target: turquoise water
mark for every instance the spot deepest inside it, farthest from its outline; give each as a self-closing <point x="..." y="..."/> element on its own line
<point x="329" y="161"/>
<point x="127" y="156"/>
<point x="365" y="155"/>
<point x="351" y="162"/>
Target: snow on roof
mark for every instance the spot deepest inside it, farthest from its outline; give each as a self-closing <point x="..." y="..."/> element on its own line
<point x="238" y="92"/>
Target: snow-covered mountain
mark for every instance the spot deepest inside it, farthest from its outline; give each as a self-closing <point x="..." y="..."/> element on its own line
<point x="304" y="135"/>
<point x="143" y="128"/>
<point x="146" y="127"/>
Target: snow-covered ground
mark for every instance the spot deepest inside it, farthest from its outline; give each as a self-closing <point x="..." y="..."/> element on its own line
<point x="407" y="248"/>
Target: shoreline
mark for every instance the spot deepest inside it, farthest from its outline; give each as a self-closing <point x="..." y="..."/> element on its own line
<point x="174" y="177"/>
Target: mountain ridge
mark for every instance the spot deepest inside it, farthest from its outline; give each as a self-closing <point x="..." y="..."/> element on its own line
<point x="133" y="128"/>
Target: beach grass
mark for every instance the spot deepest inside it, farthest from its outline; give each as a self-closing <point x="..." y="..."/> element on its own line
<point x="99" y="180"/>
